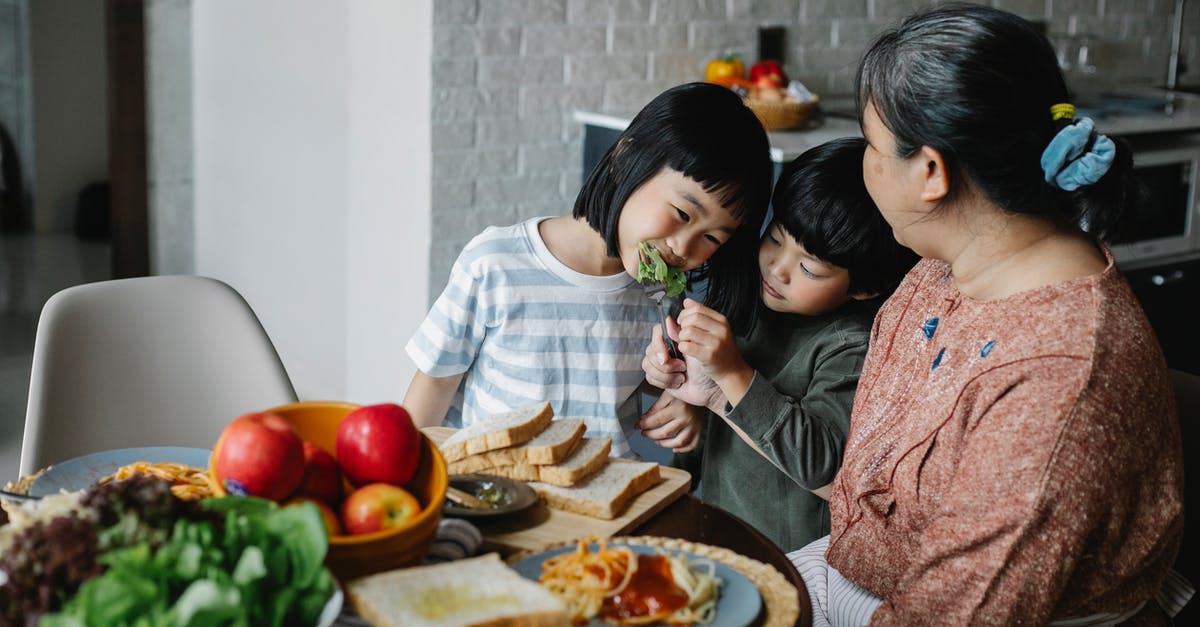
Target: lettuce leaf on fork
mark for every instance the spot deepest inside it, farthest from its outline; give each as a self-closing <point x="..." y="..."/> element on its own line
<point x="651" y="267"/>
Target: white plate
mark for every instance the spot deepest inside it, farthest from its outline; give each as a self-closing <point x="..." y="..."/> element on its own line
<point x="738" y="603"/>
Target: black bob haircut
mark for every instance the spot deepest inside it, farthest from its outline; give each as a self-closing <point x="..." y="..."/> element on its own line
<point x="705" y="132"/>
<point x="821" y="201"/>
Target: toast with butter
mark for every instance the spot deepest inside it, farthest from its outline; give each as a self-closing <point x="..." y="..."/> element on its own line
<point x="478" y="591"/>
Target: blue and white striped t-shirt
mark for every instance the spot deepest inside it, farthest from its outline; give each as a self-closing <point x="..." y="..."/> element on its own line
<point x="525" y="328"/>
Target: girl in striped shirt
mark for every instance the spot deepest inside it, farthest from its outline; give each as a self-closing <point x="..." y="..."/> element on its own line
<point x="550" y="309"/>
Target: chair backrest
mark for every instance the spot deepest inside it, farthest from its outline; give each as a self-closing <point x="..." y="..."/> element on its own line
<point x="153" y="361"/>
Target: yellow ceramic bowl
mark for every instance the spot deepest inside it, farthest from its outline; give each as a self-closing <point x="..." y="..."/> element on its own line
<point x="357" y="555"/>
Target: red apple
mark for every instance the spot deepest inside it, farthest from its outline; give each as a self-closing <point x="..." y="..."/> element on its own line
<point x="260" y="455"/>
<point x="768" y="80"/>
<point x="322" y="477"/>
<point x="333" y="526"/>
<point x="378" y="506"/>
<point x="378" y="443"/>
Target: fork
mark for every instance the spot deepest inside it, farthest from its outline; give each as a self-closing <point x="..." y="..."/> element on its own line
<point x="668" y="308"/>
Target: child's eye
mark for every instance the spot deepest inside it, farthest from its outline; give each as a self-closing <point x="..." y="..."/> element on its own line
<point x="682" y="214"/>
<point x="714" y="239"/>
<point x="771" y="237"/>
<point x="808" y="273"/>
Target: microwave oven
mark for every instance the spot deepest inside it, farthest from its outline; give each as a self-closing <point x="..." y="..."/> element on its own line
<point x="1166" y="225"/>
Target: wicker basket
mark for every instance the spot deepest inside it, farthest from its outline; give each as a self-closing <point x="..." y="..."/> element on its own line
<point x="779" y="116"/>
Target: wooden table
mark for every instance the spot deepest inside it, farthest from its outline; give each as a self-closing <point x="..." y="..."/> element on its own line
<point x="689" y="518"/>
<point x="667" y="510"/>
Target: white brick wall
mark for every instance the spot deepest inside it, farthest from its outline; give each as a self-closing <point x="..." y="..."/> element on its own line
<point x="509" y="73"/>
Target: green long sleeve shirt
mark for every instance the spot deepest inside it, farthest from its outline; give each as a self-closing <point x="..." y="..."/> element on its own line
<point x="797" y="410"/>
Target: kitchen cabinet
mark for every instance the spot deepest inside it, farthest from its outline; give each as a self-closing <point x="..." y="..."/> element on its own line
<point x="1168" y="294"/>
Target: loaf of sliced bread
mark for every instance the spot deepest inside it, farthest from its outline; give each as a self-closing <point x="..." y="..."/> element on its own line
<point x="587" y="458"/>
<point x="605" y="493"/>
<point x="507" y="428"/>
<point x="551" y="446"/>
<point x="474" y="591"/>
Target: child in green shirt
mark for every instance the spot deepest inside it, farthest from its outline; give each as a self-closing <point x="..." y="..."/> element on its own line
<point x="780" y="396"/>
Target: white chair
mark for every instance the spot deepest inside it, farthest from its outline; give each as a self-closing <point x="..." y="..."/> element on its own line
<point x="153" y="361"/>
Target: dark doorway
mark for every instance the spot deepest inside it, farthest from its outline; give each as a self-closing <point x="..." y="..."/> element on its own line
<point x="127" y="137"/>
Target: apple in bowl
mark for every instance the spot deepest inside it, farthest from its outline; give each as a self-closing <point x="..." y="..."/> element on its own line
<point x="322" y="475"/>
<point x="378" y="444"/>
<point x="259" y="454"/>
<point x="378" y="506"/>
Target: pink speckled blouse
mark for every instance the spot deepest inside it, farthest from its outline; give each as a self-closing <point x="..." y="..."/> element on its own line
<point x="1009" y="461"/>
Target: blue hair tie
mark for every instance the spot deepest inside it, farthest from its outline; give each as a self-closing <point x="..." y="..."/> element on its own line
<point x="1065" y="163"/>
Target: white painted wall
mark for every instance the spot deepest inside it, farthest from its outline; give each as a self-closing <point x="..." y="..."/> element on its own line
<point x="69" y="78"/>
<point x="312" y="179"/>
<point x="390" y="165"/>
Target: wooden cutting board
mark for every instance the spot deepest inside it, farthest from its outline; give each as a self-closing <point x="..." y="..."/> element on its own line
<point x="540" y="526"/>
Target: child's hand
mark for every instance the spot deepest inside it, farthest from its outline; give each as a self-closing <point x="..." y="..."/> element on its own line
<point x="705" y="336"/>
<point x="661" y="369"/>
<point x="672" y="423"/>
<point x="688" y="384"/>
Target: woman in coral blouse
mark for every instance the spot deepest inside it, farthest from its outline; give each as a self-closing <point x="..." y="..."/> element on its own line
<point x="1014" y="453"/>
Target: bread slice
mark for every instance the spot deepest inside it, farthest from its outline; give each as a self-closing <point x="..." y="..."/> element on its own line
<point x="474" y="591"/>
<point x="604" y="494"/>
<point x="588" y="457"/>
<point x="507" y="428"/>
<point x="551" y="446"/>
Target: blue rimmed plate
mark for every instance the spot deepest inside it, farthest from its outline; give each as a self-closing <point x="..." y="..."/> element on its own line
<point x="81" y="472"/>
<point x="738" y="603"/>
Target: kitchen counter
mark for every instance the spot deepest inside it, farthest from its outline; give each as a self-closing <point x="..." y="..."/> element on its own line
<point x="785" y="145"/>
<point x="1128" y="112"/>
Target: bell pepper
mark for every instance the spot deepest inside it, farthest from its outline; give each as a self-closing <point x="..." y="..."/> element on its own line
<point x="727" y="67"/>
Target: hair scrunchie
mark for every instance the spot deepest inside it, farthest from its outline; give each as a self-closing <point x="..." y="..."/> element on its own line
<point x="1065" y="162"/>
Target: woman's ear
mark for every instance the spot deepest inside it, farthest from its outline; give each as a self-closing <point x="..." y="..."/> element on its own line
<point x="935" y="183"/>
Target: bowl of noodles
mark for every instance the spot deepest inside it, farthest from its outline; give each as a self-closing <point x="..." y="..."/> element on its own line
<point x="642" y="581"/>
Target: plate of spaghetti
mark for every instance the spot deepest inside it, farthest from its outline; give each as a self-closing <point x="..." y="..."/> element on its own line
<point x="622" y="583"/>
<point x="185" y="468"/>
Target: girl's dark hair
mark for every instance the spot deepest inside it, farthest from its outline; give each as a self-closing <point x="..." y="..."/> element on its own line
<point x="705" y="132"/>
<point x="821" y="201"/>
<point x="976" y="84"/>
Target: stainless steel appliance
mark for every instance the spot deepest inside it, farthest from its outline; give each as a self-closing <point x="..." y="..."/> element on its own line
<point x="1167" y="225"/>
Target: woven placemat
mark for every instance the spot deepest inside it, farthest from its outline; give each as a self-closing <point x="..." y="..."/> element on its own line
<point x="780" y="599"/>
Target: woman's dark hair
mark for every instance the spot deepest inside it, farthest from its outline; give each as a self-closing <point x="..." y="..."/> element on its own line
<point x="821" y="201"/>
<point x="705" y="132"/>
<point x="976" y="84"/>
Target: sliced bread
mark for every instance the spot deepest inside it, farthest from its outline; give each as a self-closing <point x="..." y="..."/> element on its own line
<point x="551" y="446"/>
<point x="473" y="591"/>
<point x="605" y="493"/>
<point x="587" y="458"/>
<point x="507" y="428"/>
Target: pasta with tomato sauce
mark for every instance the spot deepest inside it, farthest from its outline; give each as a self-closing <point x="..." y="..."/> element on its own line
<point x="620" y="586"/>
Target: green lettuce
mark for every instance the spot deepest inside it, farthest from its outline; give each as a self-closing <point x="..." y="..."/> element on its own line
<point x="265" y="568"/>
<point x="651" y="267"/>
